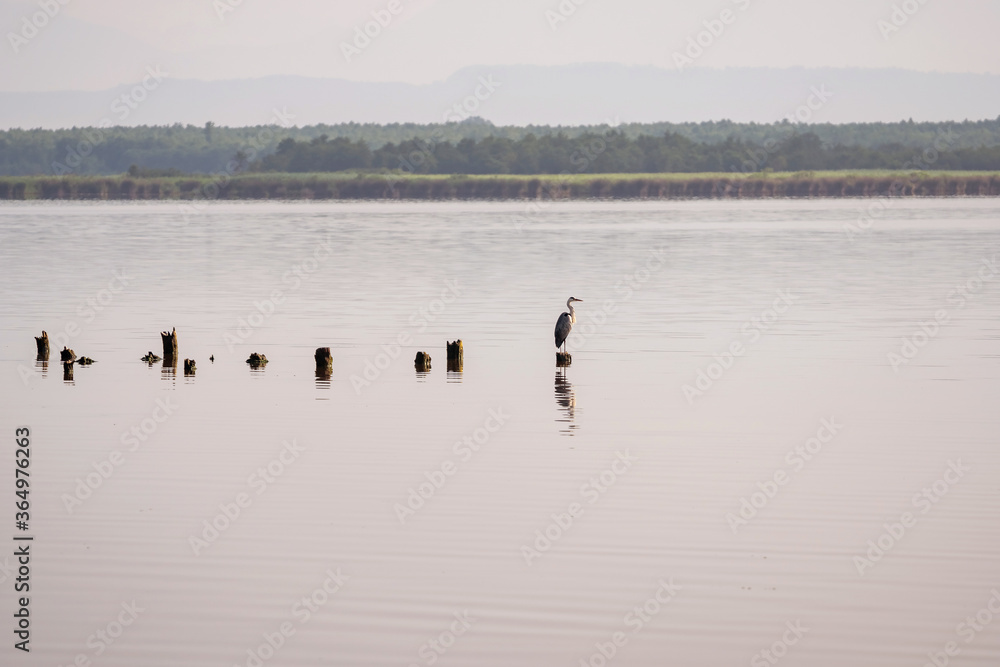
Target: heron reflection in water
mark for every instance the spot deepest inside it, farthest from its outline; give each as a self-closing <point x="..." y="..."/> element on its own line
<point x="566" y="400"/>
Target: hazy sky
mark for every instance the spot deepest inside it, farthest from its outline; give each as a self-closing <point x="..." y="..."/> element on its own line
<point x="95" y="44"/>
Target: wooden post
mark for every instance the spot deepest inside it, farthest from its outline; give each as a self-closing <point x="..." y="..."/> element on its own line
<point x="257" y="360"/>
<point x="324" y="360"/>
<point x="67" y="355"/>
<point x="456" y="356"/>
<point x="189" y="367"/>
<point x="422" y="362"/>
<point x="42" y="343"/>
<point x="169" y="347"/>
<point x="563" y="359"/>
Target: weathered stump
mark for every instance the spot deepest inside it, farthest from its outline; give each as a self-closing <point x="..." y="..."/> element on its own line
<point x="42" y="343"/>
<point x="189" y="367"/>
<point x="563" y="359"/>
<point x="257" y="360"/>
<point x="67" y="356"/>
<point x="169" y="347"/>
<point x="324" y="360"/>
<point x="422" y="362"/>
<point x="84" y="361"/>
<point x="456" y="356"/>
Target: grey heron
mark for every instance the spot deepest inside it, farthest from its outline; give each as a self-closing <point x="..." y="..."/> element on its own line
<point x="565" y="323"/>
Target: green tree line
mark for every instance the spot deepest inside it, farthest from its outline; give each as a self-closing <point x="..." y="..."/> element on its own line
<point x="211" y="148"/>
<point x="614" y="152"/>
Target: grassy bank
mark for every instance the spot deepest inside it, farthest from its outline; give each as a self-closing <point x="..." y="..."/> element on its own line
<point x="348" y="185"/>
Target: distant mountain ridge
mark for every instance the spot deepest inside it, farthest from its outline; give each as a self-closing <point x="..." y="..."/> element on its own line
<point x="584" y="94"/>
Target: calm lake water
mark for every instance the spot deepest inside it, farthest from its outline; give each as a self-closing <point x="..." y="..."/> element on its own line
<point x="779" y="433"/>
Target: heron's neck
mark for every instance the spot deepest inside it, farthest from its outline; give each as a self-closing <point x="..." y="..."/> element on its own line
<point x="572" y="313"/>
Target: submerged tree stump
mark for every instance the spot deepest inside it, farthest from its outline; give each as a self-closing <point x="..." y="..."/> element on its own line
<point x="42" y="343"/>
<point x="257" y="360"/>
<point x="456" y="356"/>
<point x="84" y="361"/>
<point x="189" y="367"/>
<point x="324" y="360"/>
<point x="169" y="347"/>
<point x="67" y="355"/>
<point x="422" y="362"/>
<point x="563" y="359"/>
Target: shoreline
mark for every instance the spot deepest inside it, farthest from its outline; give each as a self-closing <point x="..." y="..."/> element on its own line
<point x="387" y="187"/>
